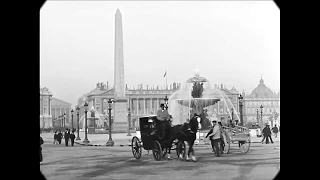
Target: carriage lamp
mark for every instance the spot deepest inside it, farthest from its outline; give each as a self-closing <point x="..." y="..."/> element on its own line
<point x="78" y="109"/>
<point x="110" y="141"/>
<point x="166" y="102"/>
<point x="85" y="141"/>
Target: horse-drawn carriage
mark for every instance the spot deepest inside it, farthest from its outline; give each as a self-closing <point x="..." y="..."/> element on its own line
<point x="236" y="134"/>
<point x="150" y="140"/>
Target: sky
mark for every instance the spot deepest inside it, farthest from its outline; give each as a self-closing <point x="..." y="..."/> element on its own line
<point x="229" y="42"/>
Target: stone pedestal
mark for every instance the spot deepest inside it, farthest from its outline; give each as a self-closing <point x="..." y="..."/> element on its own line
<point x="92" y="125"/>
<point x="120" y="116"/>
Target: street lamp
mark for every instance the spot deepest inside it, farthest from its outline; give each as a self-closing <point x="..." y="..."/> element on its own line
<point x="232" y="114"/>
<point x="72" y="119"/>
<point x="85" y="141"/>
<point x="261" y="107"/>
<point x="64" y="120"/>
<point x="78" y="109"/>
<point x="110" y="141"/>
<point x="166" y="102"/>
<point x="258" y="116"/>
<point x="241" y="104"/>
<point x="129" y="119"/>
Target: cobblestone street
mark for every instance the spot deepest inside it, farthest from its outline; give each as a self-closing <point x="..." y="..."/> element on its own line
<point x="117" y="162"/>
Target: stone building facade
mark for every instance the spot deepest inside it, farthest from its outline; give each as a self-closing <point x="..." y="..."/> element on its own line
<point x="261" y="95"/>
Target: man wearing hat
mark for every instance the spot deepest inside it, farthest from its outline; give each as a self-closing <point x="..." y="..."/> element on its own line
<point x="215" y="137"/>
<point x="163" y="121"/>
<point x="266" y="134"/>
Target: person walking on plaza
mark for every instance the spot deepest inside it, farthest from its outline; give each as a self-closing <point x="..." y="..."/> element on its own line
<point x="275" y="131"/>
<point x="66" y="136"/>
<point x="267" y="134"/>
<point x="72" y="137"/>
<point x="59" y="137"/>
<point x="55" y="138"/>
<point x="216" y="137"/>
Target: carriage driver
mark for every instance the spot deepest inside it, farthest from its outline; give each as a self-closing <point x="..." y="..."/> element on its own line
<point x="163" y="121"/>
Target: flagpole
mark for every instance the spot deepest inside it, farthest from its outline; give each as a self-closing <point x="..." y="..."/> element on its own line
<point x="166" y="81"/>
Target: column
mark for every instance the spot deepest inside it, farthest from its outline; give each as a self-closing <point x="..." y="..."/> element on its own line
<point x="101" y="101"/>
<point x="144" y="106"/>
<point x="94" y="103"/>
<point x="151" y="108"/>
<point x="137" y="106"/>
<point x="158" y="103"/>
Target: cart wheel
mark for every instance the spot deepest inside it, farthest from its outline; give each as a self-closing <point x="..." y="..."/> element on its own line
<point x="181" y="149"/>
<point x="157" y="151"/>
<point x="245" y="145"/>
<point x="226" y="142"/>
<point x="136" y="147"/>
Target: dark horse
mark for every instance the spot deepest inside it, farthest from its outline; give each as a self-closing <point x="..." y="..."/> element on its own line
<point x="182" y="132"/>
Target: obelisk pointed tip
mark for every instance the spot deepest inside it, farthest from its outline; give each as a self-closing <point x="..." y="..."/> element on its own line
<point x="118" y="11"/>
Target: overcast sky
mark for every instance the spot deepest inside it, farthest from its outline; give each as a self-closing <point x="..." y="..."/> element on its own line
<point x="230" y="42"/>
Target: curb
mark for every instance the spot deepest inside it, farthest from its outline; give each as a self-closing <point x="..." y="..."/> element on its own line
<point x="96" y="144"/>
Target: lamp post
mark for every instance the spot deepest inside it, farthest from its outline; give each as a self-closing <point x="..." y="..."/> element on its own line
<point x="61" y="121"/>
<point x="129" y="119"/>
<point x="232" y="114"/>
<point x="166" y="102"/>
<point x="86" y="141"/>
<point x="258" y="116"/>
<point x="241" y="104"/>
<point x="64" y="120"/>
<point x="110" y="141"/>
<point x="261" y="107"/>
<point x="78" y="109"/>
<point x="72" y="119"/>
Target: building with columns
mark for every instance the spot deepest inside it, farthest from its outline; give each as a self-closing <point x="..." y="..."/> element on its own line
<point x="261" y="95"/>
<point x="145" y="100"/>
<point x="51" y="108"/>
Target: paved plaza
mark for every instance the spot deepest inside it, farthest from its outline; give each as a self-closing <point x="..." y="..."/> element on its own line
<point x="117" y="162"/>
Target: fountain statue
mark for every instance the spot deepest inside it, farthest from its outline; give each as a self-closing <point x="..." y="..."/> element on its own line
<point x="197" y="96"/>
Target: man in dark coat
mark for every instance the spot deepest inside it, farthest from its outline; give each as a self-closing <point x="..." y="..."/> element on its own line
<point x="267" y="133"/>
<point x="66" y="136"/>
<point x="72" y="137"/>
<point x="59" y="137"/>
<point x="275" y="131"/>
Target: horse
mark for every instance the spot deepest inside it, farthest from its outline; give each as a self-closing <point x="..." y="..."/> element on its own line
<point x="182" y="132"/>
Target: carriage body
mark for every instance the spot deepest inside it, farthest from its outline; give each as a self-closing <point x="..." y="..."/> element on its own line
<point x="147" y="131"/>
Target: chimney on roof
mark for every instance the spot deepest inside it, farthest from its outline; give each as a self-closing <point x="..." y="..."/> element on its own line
<point x="107" y="85"/>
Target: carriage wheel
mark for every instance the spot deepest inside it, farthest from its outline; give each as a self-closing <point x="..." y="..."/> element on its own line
<point x="226" y="142"/>
<point x="181" y="149"/>
<point x="245" y="145"/>
<point x="157" y="151"/>
<point x="136" y="147"/>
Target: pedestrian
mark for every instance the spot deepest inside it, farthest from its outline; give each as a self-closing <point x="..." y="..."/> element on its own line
<point x="66" y="136"/>
<point x="216" y="137"/>
<point x="59" y="137"/>
<point x="72" y="137"/>
<point x="275" y="131"/>
<point x="267" y="134"/>
<point x="40" y="149"/>
<point x="55" y="138"/>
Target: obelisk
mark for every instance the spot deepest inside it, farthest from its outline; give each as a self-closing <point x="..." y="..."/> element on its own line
<point x="120" y="106"/>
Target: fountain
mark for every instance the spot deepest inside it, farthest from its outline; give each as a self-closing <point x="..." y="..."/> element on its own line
<point x="196" y="95"/>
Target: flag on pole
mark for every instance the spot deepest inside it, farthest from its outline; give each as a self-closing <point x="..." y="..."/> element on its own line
<point x="165" y="74"/>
